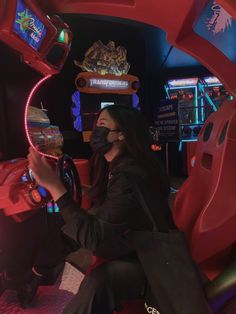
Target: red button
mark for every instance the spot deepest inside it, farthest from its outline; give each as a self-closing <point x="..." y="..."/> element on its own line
<point x="35" y="196"/>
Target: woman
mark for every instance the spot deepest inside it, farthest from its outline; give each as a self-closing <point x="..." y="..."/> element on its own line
<point x="121" y="135"/>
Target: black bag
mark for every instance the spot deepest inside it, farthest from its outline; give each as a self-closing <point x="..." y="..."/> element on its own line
<point x="174" y="282"/>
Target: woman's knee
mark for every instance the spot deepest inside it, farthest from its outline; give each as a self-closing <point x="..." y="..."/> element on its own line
<point x="97" y="279"/>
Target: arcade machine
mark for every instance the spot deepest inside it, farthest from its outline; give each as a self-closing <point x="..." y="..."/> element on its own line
<point x="214" y="94"/>
<point x="197" y="99"/>
<point x="190" y="117"/>
<point x="43" y="43"/>
<point x="104" y="81"/>
<point x="190" y="114"/>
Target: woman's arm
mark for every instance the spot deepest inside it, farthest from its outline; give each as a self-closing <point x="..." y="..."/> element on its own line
<point x="103" y="233"/>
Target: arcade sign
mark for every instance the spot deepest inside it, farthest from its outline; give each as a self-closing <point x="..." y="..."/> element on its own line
<point x="167" y="121"/>
<point x="94" y="83"/>
<point x="108" y="84"/>
<point x="183" y="82"/>
<point x="212" y="80"/>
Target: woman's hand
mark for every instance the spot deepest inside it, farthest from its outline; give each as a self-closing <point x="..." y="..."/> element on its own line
<point x="44" y="174"/>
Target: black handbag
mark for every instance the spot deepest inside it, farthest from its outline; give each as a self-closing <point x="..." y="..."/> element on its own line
<point x="174" y="282"/>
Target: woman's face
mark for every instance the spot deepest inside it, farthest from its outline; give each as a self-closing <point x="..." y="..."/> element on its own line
<point x="106" y="120"/>
<point x="116" y="137"/>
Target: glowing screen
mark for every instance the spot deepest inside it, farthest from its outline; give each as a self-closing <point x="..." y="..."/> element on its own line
<point x="28" y="27"/>
<point x="219" y="28"/>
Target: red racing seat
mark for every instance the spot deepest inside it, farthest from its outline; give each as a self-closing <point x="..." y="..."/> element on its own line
<point x="205" y="206"/>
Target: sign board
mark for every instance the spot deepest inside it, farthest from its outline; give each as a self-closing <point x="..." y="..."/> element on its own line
<point x="167" y="120"/>
<point x="218" y="27"/>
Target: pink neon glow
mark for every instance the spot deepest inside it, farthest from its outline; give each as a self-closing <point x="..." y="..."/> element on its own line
<point x="33" y="91"/>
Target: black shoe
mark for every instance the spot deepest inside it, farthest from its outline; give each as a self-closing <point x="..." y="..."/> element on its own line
<point x="27" y="291"/>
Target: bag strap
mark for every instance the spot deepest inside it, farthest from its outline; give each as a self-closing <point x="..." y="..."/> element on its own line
<point x="142" y="201"/>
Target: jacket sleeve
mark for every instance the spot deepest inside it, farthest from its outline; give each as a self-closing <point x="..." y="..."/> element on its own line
<point x="105" y="232"/>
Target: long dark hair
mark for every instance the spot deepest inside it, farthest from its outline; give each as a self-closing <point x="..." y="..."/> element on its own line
<point x="137" y="144"/>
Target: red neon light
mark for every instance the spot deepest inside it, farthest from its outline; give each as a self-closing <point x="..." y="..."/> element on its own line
<point x="33" y="91"/>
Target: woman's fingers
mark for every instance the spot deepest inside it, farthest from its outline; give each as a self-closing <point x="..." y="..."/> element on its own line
<point x="35" y="163"/>
<point x="42" y="170"/>
<point x="33" y="155"/>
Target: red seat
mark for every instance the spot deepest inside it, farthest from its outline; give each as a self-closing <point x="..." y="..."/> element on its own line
<point x="205" y="206"/>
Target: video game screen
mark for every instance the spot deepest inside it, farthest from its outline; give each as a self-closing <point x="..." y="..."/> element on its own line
<point x="185" y="91"/>
<point x="28" y="26"/>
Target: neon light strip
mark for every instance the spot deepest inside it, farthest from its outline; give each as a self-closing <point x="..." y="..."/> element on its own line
<point x="167" y="92"/>
<point x="202" y="110"/>
<point x="180" y="146"/>
<point x="190" y="140"/>
<point x="183" y="87"/>
<point x="181" y="143"/>
<point x="32" y="93"/>
<point x="196" y="106"/>
<point x="210" y="85"/>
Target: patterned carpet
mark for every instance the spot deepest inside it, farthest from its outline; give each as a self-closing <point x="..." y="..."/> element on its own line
<point x="49" y="299"/>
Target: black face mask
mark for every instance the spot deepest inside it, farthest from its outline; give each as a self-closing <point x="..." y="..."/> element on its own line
<point x="98" y="140"/>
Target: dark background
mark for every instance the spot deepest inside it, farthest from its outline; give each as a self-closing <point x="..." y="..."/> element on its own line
<point x="152" y="59"/>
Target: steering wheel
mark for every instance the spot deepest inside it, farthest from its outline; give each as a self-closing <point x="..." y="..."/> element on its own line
<point x="69" y="176"/>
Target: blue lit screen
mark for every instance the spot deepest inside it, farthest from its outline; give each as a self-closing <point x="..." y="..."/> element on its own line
<point x="28" y="26"/>
<point x="219" y="28"/>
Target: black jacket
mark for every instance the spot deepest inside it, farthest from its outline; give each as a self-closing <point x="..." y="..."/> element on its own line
<point x="106" y="232"/>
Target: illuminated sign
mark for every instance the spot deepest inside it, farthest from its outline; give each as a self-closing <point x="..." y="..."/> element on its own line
<point x="28" y="27"/>
<point x="183" y="82"/>
<point x="167" y="121"/>
<point x="108" y="84"/>
<point x="212" y="80"/>
<point x="105" y="104"/>
<point x="218" y="27"/>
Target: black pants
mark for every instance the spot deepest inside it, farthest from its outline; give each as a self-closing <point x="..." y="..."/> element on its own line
<point x="37" y="241"/>
<point x="103" y="290"/>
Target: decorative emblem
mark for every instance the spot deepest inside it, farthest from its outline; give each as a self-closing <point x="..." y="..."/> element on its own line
<point x="105" y="59"/>
<point x="220" y="20"/>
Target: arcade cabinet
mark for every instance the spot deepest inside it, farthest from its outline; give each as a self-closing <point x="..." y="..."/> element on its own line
<point x="183" y="94"/>
<point x="43" y="43"/>
<point x="213" y="95"/>
<point x="104" y="81"/>
<point x="31" y="236"/>
<point x="190" y="119"/>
